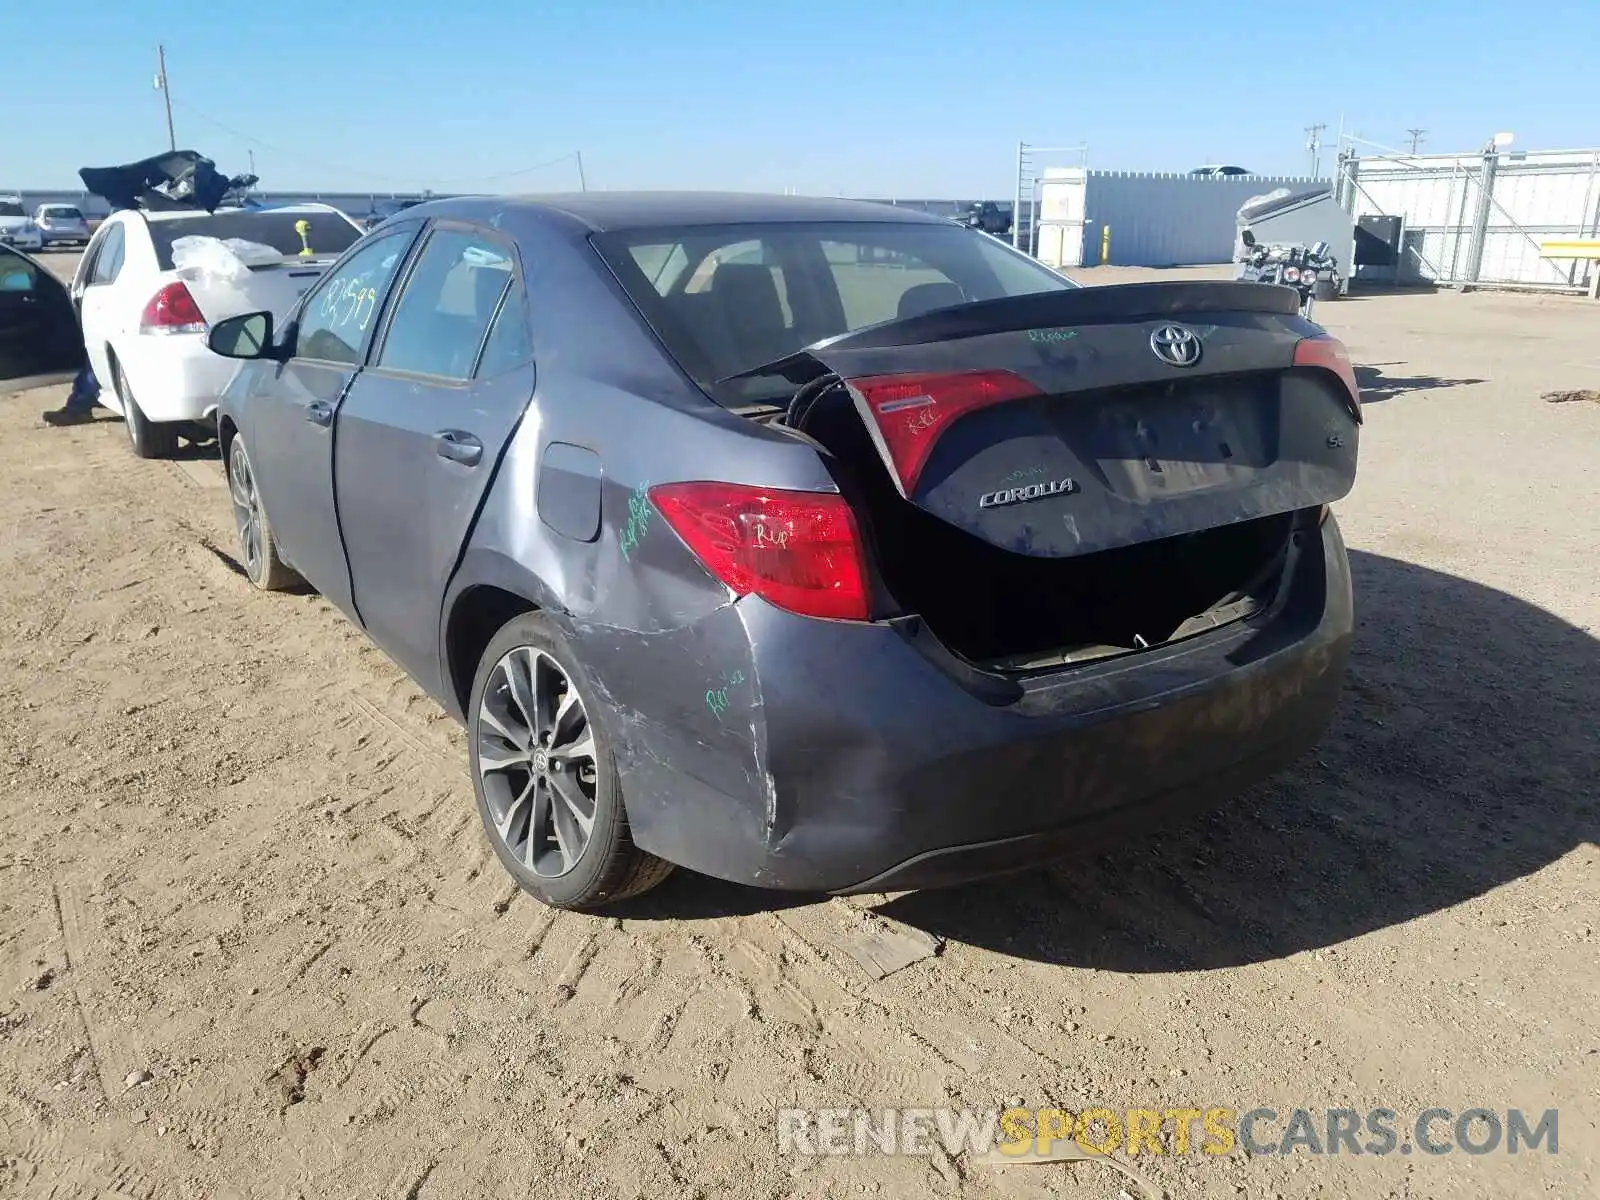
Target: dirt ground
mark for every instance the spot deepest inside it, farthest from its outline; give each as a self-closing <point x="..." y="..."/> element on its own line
<point x="252" y="942"/>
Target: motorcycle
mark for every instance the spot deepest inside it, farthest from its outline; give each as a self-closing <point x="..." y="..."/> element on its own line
<point x="1312" y="270"/>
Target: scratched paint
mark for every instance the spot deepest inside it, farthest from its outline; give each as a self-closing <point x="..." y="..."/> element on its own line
<point x="1022" y="473"/>
<point x="719" y="699"/>
<point x="638" y="524"/>
<point x="1050" y="337"/>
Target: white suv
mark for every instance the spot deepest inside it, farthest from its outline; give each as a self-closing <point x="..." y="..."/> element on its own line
<point x="145" y="321"/>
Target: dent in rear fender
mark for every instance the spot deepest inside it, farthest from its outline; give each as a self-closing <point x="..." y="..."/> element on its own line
<point x="687" y="715"/>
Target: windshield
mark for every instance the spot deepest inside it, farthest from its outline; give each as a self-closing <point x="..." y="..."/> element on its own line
<point x="9" y="208"/>
<point x="60" y="212"/>
<point x="724" y="299"/>
<point x="327" y="234"/>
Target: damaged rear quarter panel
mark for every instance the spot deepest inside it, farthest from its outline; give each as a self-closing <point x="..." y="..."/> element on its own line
<point x="663" y="640"/>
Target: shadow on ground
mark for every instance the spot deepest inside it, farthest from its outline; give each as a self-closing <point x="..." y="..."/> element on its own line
<point x="1377" y="386"/>
<point x="1462" y="758"/>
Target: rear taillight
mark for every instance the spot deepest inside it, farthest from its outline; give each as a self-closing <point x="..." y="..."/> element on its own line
<point x="907" y="413"/>
<point x="172" y="310"/>
<point x="1329" y="354"/>
<point x="798" y="550"/>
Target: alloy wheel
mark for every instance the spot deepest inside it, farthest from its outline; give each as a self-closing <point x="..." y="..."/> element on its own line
<point x="536" y="761"/>
<point x="246" y="507"/>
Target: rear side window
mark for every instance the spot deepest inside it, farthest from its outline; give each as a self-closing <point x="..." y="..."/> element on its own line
<point x="444" y="312"/>
<point x="510" y="343"/>
<point x="108" y="262"/>
<point x="326" y="235"/>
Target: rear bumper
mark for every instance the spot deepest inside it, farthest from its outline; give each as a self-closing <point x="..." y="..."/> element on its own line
<point x="871" y="769"/>
<point x="174" y="378"/>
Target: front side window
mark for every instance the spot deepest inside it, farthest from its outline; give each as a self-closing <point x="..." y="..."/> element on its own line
<point x="17" y="274"/>
<point x="724" y="299"/>
<point x="444" y="312"/>
<point x="336" y="319"/>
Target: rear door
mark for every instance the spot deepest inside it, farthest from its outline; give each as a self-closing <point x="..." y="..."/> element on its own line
<point x="289" y="412"/>
<point x="39" y="339"/>
<point x="421" y="432"/>
<point x="96" y="288"/>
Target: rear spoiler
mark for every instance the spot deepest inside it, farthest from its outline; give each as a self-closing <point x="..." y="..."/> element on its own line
<point x="1039" y="310"/>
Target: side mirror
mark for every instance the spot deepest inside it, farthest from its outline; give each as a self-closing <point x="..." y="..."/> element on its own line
<point x="248" y="337"/>
<point x="1249" y="239"/>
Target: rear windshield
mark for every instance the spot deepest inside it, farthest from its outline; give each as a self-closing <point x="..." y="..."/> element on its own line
<point x="725" y="298"/>
<point x="62" y="212"/>
<point x="8" y="209"/>
<point x="327" y="234"/>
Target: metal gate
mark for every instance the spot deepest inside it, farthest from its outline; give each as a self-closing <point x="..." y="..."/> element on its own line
<point x="1480" y="218"/>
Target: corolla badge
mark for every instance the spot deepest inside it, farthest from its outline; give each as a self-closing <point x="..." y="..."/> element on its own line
<point x="1176" y="345"/>
<point x="1032" y="491"/>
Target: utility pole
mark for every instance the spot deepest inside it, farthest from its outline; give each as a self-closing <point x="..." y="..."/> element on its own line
<point x="166" y="94"/>
<point x="1416" y="138"/>
<point x="1314" y="148"/>
<point x="583" y="184"/>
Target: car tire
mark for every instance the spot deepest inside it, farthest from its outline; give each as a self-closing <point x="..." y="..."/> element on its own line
<point x="532" y="798"/>
<point x="258" y="550"/>
<point x="149" y="439"/>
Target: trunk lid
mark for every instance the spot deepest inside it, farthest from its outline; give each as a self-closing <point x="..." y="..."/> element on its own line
<point x="1067" y="423"/>
<point x="271" y="288"/>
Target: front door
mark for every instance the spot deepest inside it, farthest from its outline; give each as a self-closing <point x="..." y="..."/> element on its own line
<point x="39" y="339"/>
<point x="421" y="432"/>
<point x="290" y="409"/>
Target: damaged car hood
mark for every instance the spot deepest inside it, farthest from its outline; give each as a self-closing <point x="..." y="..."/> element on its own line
<point x="175" y="181"/>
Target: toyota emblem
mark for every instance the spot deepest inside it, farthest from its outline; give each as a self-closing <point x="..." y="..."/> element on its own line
<point x="1176" y="345"/>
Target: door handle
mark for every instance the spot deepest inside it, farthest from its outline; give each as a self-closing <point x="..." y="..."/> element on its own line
<point x="320" y="412"/>
<point x="458" y="446"/>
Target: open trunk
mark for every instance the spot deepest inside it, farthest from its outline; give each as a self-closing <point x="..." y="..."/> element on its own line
<point x="1046" y="479"/>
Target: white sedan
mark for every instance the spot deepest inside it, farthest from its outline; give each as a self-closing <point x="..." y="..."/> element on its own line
<point x="17" y="228"/>
<point x="145" y="307"/>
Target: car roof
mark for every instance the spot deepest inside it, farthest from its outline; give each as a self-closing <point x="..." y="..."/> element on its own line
<point x="609" y="212"/>
<point x="189" y="214"/>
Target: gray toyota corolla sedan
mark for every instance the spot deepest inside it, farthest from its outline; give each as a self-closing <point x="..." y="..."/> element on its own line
<point x="806" y="543"/>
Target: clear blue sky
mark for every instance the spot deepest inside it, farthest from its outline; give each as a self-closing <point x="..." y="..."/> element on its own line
<point x="866" y="97"/>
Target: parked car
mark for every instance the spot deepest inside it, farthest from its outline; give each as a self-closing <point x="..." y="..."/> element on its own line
<point x="39" y="340"/>
<point x="382" y="210"/>
<point x="736" y="550"/>
<point x="987" y="216"/>
<point x="144" y="322"/>
<point x="1224" y="171"/>
<point x="61" y="225"/>
<point x="17" y="228"/>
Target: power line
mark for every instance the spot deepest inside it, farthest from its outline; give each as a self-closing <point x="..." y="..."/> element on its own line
<point x="295" y="155"/>
<point x="1416" y="138"/>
